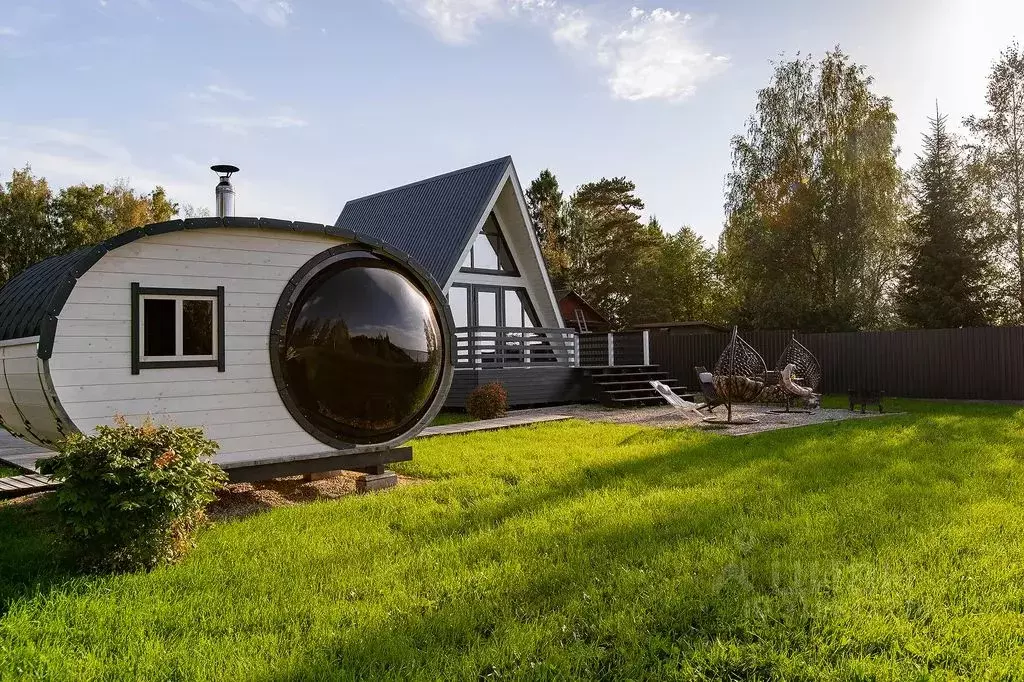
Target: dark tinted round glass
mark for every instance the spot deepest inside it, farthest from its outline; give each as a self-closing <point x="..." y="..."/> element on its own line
<point x="363" y="353"/>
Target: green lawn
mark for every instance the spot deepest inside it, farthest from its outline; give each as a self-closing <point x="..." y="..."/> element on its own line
<point x="6" y="471"/>
<point x="880" y="549"/>
<point x="445" y="418"/>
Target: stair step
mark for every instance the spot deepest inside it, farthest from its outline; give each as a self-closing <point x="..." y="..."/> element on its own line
<point x="620" y="391"/>
<point x="615" y="371"/>
<point x="608" y="385"/>
<point x="646" y="400"/>
<point x="620" y="377"/>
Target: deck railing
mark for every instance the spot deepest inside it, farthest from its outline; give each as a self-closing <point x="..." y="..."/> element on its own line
<point x="615" y="349"/>
<point x="478" y="347"/>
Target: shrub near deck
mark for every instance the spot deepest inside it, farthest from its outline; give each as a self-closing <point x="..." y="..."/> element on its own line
<point x="889" y="547"/>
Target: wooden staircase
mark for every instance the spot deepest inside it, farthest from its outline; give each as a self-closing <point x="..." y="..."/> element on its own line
<point x="629" y="386"/>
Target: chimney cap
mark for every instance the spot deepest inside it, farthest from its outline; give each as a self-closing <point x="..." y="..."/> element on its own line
<point x="224" y="169"/>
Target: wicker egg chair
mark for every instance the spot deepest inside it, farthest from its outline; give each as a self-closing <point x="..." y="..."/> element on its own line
<point x="739" y="373"/>
<point x="806" y="372"/>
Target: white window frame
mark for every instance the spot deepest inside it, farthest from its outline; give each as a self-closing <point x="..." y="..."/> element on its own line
<point x="179" y="328"/>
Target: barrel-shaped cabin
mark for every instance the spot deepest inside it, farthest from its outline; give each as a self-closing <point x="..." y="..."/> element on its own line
<point x="284" y="341"/>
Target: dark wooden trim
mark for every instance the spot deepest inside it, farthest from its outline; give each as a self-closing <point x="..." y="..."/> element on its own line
<point x="485" y="271"/>
<point x="138" y="364"/>
<point x="135" y="328"/>
<point x="170" y="364"/>
<point x="248" y="473"/>
<point x="221" y="335"/>
<point x="171" y="291"/>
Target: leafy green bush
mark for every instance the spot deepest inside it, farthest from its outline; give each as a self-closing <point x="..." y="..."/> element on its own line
<point x="488" y="401"/>
<point x="133" y="496"/>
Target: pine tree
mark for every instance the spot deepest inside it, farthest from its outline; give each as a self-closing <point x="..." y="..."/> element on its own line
<point x="547" y="207"/>
<point x="947" y="281"/>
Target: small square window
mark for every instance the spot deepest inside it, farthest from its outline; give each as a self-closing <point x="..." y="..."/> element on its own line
<point x="177" y="328"/>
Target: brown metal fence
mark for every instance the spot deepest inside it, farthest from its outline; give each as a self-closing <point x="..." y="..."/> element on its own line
<point x="984" y="363"/>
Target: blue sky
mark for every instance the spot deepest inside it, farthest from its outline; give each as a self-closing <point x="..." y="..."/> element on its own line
<point x="320" y="102"/>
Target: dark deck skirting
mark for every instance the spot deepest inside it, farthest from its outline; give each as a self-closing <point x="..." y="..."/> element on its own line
<point x="525" y="386"/>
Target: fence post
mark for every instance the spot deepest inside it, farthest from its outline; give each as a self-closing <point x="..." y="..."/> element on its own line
<point x="611" y="349"/>
<point x="647" y="347"/>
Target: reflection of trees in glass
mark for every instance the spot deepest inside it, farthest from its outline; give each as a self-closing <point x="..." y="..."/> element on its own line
<point x="363" y="387"/>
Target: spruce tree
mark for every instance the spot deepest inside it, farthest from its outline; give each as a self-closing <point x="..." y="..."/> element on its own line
<point x="947" y="280"/>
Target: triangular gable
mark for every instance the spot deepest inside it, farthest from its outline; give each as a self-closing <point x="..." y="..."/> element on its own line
<point x="434" y="221"/>
<point x="431" y="220"/>
<point x="490" y="250"/>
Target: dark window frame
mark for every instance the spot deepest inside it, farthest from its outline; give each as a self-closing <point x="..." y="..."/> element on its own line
<point x="137" y="294"/>
<point x="514" y="272"/>
<point x="500" y="289"/>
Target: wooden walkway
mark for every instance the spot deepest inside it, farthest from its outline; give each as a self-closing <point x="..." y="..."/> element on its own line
<point x="19" y="486"/>
<point x="491" y="424"/>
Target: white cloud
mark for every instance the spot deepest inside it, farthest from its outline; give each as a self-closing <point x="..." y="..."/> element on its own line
<point x="572" y="29"/>
<point x="274" y="13"/>
<point x="67" y="154"/>
<point x="652" y="54"/>
<point x="243" y="125"/>
<point x="455" y="21"/>
<point x="213" y="92"/>
<point x="9" y="32"/>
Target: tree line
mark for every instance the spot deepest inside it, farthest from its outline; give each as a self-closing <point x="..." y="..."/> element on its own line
<point x="823" y="231"/>
<point x="37" y="223"/>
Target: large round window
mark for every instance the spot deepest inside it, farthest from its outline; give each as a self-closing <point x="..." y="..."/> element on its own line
<point x="361" y="351"/>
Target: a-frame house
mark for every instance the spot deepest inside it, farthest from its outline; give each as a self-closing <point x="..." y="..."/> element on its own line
<point x="471" y="231"/>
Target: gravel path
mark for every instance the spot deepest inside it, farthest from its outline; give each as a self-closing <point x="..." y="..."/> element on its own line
<point x="671" y="418"/>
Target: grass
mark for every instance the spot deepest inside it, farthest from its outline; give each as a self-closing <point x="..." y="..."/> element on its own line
<point x="6" y="471"/>
<point x="877" y="549"/>
<point x="445" y="418"/>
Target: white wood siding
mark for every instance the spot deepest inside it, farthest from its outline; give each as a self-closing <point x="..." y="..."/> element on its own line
<point x="240" y="408"/>
<point x="25" y="406"/>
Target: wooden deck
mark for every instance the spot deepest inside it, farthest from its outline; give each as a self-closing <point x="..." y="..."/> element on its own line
<point x="19" y="486"/>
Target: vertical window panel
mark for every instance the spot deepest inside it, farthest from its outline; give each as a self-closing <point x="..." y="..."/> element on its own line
<point x="161" y="335"/>
<point x="458" y="300"/>
<point x="197" y="327"/>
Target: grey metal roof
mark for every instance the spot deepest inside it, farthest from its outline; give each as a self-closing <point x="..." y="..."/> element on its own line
<point x="32" y="300"/>
<point x="431" y="220"/>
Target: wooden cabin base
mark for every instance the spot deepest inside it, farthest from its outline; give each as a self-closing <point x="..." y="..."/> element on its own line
<point x="264" y="470"/>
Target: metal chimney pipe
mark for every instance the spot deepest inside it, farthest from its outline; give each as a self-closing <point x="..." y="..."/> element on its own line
<point x="225" y="192"/>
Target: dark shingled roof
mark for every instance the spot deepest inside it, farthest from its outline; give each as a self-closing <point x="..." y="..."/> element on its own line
<point x="431" y="220"/>
<point x="25" y="300"/>
<point x="32" y="300"/>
